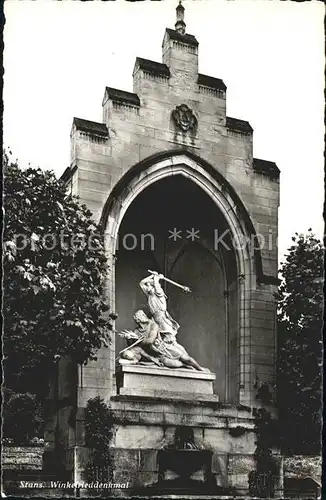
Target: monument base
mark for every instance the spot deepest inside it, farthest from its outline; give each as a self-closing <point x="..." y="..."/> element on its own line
<point x="142" y="380"/>
<point x="146" y="428"/>
<point x="153" y="408"/>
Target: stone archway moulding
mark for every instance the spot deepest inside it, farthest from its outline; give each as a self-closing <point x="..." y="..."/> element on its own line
<point x="165" y="163"/>
<point x="218" y="189"/>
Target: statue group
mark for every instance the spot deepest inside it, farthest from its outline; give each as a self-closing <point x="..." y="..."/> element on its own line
<point x="154" y="339"/>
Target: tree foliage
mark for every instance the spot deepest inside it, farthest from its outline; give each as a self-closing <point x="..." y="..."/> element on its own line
<point x="262" y="479"/>
<point x="54" y="276"/>
<point x="300" y="321"/>
<point x="22" y="418"/>
<point x="99" y="424"/>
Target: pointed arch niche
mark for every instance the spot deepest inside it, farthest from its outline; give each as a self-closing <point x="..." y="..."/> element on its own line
<point x="178" y="191"/>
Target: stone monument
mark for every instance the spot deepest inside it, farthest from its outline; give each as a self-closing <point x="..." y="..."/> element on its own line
<point x="174" y="185"/>
<point x="153" y="344"/>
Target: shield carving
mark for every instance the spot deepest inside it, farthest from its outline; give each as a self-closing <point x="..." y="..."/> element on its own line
<point x="184" y="118"/>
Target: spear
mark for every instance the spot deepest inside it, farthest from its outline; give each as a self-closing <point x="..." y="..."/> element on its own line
<point x="184" y="288"/>
<point x="130" y="346"/>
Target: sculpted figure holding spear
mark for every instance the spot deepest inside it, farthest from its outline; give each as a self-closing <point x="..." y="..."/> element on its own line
<point x="140" y="341"/>
<point x="168" y="327"/>
<point x="146" y="344"/>
<point x="157" y="303"/>
<point x="154" y="339"/>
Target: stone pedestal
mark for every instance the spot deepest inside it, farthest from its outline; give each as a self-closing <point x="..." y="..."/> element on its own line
<point x="141" y="380"/>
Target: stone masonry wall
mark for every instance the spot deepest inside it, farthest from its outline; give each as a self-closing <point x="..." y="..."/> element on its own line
<point x="137" y="125"/>
<point x="143" y="427"/>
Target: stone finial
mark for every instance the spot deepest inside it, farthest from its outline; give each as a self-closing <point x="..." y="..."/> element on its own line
<point x="180" y="25"/>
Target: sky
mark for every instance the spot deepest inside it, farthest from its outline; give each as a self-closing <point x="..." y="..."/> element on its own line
<point x="60" y="55"/>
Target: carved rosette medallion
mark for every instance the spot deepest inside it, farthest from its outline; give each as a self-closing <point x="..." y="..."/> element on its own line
<point x="184" y="118"/>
